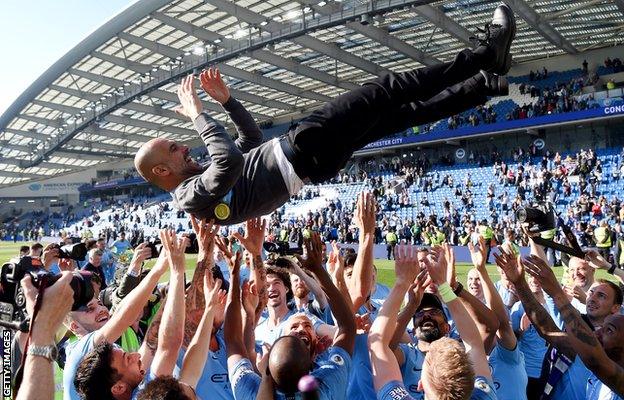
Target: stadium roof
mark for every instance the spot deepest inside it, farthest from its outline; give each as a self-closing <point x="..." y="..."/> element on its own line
<point x="116" y="89"/>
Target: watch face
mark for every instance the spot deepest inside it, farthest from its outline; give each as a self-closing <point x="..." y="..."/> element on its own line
<point x="54" y="353"/>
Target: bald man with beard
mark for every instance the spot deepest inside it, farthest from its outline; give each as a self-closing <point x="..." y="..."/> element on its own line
<point x="247" y="178"/>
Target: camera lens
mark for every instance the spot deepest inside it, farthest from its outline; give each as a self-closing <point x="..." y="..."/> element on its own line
<point x="521" y="215"/>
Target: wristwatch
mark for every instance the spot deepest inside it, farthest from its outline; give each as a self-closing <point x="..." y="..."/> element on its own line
<point x="50" y="352"/>
<point x="458" y="289"/>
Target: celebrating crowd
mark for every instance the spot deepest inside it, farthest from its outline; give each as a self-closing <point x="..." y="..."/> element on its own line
<point x="247" y="326"/>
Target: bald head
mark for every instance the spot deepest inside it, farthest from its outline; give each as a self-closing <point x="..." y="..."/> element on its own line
<point x="288" y="362"/>
<point x="165" y="163"/>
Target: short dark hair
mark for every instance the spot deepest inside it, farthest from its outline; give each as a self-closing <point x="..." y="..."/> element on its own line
<point x="284" y="277"/>
<point x="163" y="388"/>
<point x="36" y="246"/>
<point x="95" y="376"/>
<point x="349" y="259"/>
<point x="24" y="249"/>
<point x="619" y="296"/>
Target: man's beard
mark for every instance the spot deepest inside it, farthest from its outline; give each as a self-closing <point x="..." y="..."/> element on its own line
<point x="428" y="335"/>
<point x="192" y="170"/>
<point x="301" y="293"/>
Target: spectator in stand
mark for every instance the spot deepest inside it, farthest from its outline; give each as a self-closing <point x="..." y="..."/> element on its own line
<point x="94" y="265"/>
<point x="120" y="245"/>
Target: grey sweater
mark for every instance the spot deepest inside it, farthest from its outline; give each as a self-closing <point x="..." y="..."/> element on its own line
<point x="243" y="174"/>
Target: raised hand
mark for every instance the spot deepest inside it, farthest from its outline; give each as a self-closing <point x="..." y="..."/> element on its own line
<point x="575" y="292"/>
<point x="365" y="213"/>
<point x="314" y="253"/>
<point x="417" y="289"/>
<point x="190" y="104"/>
<point x="596" y="260"/>
<point x="233" y="259"/>
<point x="436" y="265"/>
<point x="56" y="304"/>
<point x="511" y="266"/>
<point x="141" y="253"/>
<point x="174" y="249"/>
<point x="50" y="254"/>
<point x="250" y="297"/>
<point x="254" y="236"/>
<point x="539" y="269"/>
<point x="212" y="289"/>
<point x="214" y="86"/>
<point x="406" y="266"/>
<point x="206" y="233"/>
<point x="449" y="255"/>
<point x="478" y="254"/>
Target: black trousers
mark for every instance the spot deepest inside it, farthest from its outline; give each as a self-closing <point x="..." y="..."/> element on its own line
<point x="323" y="142"/>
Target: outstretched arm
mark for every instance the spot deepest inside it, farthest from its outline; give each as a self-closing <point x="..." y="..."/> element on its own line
<point x="505" y="333"/>
<point x="345" y="335"/>
<point x="360" y="284"/>
<point x="384" y="363"/>
<point x="227" y="160"/>
<point x="132" y="305"/>
<point x="436" y="266"/>
<point x="197" y="353"/>
<point x="233" y="324"/>
<point x="579" y="334"/>
<point x="249" y="134"/>
<point x="172" y="326"/>
<point x="513" y="268"/>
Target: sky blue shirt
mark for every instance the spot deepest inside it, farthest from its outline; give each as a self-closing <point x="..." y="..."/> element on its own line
<point x="411" y="368"/>
<point x="394" y="390"/>
<point x="531" y="344"/>
<point x="121" y="246"/>
<point x="74" y="353"/>
<point x="331" y="373"/>
<point x="214" y="382"/>
<point x="596" y="390"/>
<point x="381" y="293"/>
<point x="573" y="383"/>
<point x="508" y="372"/>
<point x="360" y="385"/>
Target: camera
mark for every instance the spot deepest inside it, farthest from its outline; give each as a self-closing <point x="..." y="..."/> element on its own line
<point x="282" y="249"/>
<point x="540" y="217"/>
<point x="191" y="248"/>
<point x="75" y="251"/>
<point x="12" y="298"/>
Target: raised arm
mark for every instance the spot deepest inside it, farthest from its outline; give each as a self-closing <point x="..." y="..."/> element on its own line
<point x="132" y="305"/>
<point x="505" y="332"/>
<point x="414" y="296"/>
<point x="345" y="335"/>
<point x="38" y="373"/>
<point x="514" y="270"/>
<point x="384" y="364"/>
<point x="436" y="266"/>
<point x="360" y="284"/>
<point x="171" y="331"/>
<point x="579" y="334"/>
<point x="485" y="319"/>
<point x="194" y="304"/>
<point x="232" y="325"/>
<point x="197" y="352"/>
<point x="249" y="134"/>
<point x="598" y="262"/>
<point x="227" y="160"/>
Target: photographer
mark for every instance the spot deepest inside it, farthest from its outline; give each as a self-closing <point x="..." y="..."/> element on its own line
<point x="94" y="327"/>
<point x="38" y="378"/>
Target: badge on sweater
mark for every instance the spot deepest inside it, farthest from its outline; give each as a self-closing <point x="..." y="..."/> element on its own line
<point x="222" y="211"/>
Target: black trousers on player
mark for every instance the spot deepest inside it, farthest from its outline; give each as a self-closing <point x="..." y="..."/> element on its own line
<point x="321" y="144"/>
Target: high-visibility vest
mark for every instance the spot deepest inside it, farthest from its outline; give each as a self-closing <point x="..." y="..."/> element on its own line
<point x="486" y="232"/>
<point x="391" y="238"/>
<point x="438" y="238"/>
<point x="549" y="234"/>
<point x="621" y="258"/>
<point x="603" y="237"/>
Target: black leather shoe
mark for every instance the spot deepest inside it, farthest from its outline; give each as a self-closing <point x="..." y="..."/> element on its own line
<point x="495" y="85"/>
<point x="497" y="37"/>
